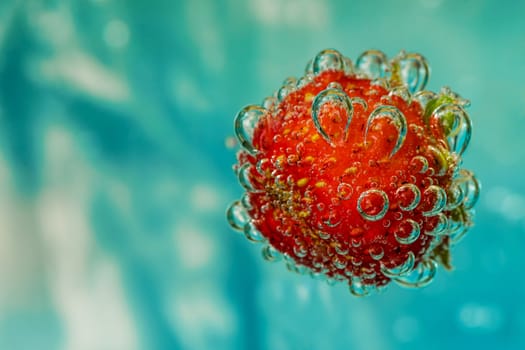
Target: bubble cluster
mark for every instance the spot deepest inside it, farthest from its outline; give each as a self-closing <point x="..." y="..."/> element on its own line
<point x="353" y="172"/>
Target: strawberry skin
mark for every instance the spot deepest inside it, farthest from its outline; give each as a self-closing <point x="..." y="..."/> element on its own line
<point x="352" y="173"/>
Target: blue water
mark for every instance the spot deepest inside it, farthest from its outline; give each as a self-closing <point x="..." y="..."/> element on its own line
<point x="115" y="176"/>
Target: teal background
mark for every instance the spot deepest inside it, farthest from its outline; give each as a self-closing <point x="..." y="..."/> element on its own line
<point x="115" y="176"/>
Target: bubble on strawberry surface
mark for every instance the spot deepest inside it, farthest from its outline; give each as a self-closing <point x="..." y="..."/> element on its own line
<point x="353" y="172"/>
<point x="372" y="204"/>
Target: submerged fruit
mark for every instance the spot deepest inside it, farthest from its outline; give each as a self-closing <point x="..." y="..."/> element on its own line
<point x="353" y="172"/>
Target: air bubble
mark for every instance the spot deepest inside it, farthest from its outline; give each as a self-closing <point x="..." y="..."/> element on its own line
<point x="376" y="252"/>
<point x="421" y="276"/>
<point x="455" y="195"/>
<point x="440" y="226"/>
<point x="356" y="242"/>
<point x="338" y="98"/>
<point x="335" y="85"/>
<point x="244" y="177"/>
<point x="408" y="196"/>
<point x="368" y="275"/>
<point x="373" y="63"/>
<point x="424" y="98"/>
<point x="470" y="188"/>
<point x="398" y="215"/>
<point x="339" y="262"/>
<point x="358" y="288"/>
<point x="303" y="81"/>
<point x="400" y="270"/>
<point x="438" y="196"/>
<point x="341" y="249"/>
<point x="407" y="231"/>
<point x="252" y="233"/>
<point x="401" y="92"/>
<point x="245" y="123"/>
<point x="419" y="164"/>
<point x="300" y="250"/>
<point x="289" y="85"/>
<point x="331" y="220"/>
<point x="270" y="103"/>
<point x="271" y="254"/>
<point x="327" y="60"/>
<point x="323" y="235"/>
<point x="263" y="166"/>
<point x="356" y="261"/>
<point x="396" y="117"/>
<point x="372" y="204"/>
<point x="344" y="191"/>
<point x="348" y="66"/>
<point x="414" y="71"/>
<point x="309" y="68"/>
<point x="237" y="215"/>
<point x="458" y="234"/>
<point x="451" y="121"/>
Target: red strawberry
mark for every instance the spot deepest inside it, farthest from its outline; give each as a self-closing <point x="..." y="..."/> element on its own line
<point x="353" y="173"/>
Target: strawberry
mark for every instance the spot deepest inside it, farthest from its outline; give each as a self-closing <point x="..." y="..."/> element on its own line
<point x="353" y="172"/>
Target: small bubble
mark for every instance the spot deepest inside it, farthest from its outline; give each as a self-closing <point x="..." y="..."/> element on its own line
<point x="396" y="117"/>
<point x="470" y="187"/>
<point x="398" y="215"/>
<point x="408" y="196"/>
<point x="401" y="269"/>
<point x="327" y="60"/>
<point x="407" y="231"/>
<point x="339" y="262"/>
<point x="454" y="196"/>
<point x="323" y="235"/>
<point x="280" y="181"/>
<point x="252" y="233"/>
<point x="376" y="252"/>
<point x="332" y="97"/>
<point x="245" y="201"/>
<point x="344" y="191"/>
<point x="372" y="63"/>
<point x="425" y="97"/>
<point x="307" y="79"/>
<point x="300" y="250"/>
<point x="439" y="160"/>
<point x="458" y="234"/>
<point x="263" y="166"/>
<point x="331" y="220"/>
<point x="356" y="242"/>
<point x="372" y="204"/>
<point x="341" y="249"/>
<point x="356" y="261"/>
<point x="439" y="225"/>
<point x="434" y="200"/>
<point x="401" y="92"/>
<point x="237" y="215"/>
<point x="271" y="254"/>
<point x="292" y="159"/>
<point x="427" y="181"/>
<point x="284" y="91"/>
<point x="244" y="177"/>
<point x="414" y="71"/>
<point x="421" y="276"/>
<point x="270" y="103"/>
<point x="451" y="121"/>
<point x="419" y="164"/>
<point x="245" y="123"/>
<point x="358" y="288"/>
<point x="348" y="66"/>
